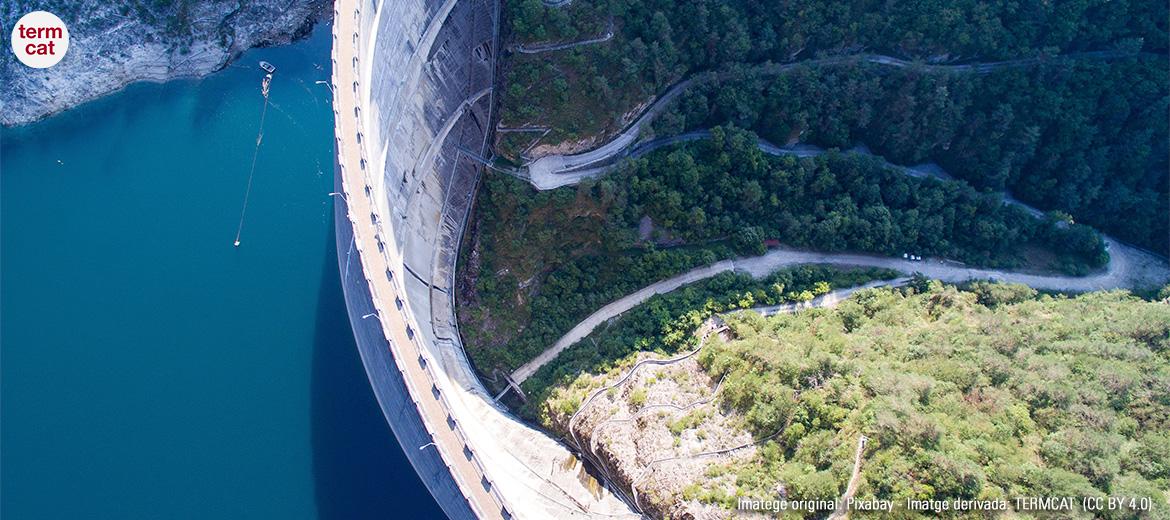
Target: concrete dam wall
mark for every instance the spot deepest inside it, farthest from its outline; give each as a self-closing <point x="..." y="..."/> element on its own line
<point x="412" y="83"/>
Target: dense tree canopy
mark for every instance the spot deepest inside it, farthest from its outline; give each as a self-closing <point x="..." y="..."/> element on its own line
<point x="836" y="202"/>
<point x="584" y="90"/>
<point x="1086" y="138"/>
<point x="540" y="262"/>
<point x="666" y="323"/>
<point x="706" y="32"/>
<point x="985" y="393"/>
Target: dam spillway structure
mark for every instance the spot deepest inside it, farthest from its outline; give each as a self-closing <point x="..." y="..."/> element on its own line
<point x="412" y="84"/>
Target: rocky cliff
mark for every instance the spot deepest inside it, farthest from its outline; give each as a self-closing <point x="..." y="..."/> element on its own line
<point x="658" y="435"/>
<point x="114" y="43"/>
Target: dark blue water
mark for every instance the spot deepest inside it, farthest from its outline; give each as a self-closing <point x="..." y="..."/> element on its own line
<point x="152" y="370"/>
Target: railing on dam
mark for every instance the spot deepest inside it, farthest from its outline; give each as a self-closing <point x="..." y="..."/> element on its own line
<point x="409" y="351"/>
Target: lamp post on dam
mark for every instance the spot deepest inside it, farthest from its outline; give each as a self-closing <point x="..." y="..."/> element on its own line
<point x="403" y="193"/>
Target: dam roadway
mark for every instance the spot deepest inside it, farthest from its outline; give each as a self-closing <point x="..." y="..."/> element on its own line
<point x="413" y="96"/>
<point x="447" y="442"/>
<point x="410" y="83"/>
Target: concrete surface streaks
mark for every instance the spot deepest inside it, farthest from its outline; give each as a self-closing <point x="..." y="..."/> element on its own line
<point x="412" y="83"/>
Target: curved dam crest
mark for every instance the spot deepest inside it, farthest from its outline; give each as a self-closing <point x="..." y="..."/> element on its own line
<point x="413" y="105"/>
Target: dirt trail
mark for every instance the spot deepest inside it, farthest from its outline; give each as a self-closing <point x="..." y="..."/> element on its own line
<point x="538" y="48"/>
<point x="854" y="480"/>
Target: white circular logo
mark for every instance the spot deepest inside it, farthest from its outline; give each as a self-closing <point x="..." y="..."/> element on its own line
<point x="40" y="39"/>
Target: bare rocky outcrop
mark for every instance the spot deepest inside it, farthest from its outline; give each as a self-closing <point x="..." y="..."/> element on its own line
<point x="657" y="433"/>
<point x="113" y="44"/>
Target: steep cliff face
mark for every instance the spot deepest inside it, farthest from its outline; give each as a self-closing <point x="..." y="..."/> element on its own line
<point x="116" y="43"/>
<point x="658" y="435"/>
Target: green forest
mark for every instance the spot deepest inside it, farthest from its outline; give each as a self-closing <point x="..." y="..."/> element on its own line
<point x="584" y="90"/>
<point x="665" y="324"/>
<point x="726" y="186"/>
<point x="537" y="263"/>
<point x="988" y="391"/>
<point x="540" y="262"/>
<point x="1087" y="138"/>
<point x="707" y="32"/>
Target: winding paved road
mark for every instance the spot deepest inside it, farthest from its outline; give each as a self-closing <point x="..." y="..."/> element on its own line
<point x="553" y="171"/>
<point x="1128" y="267"/>
<point x="599" y="168"/>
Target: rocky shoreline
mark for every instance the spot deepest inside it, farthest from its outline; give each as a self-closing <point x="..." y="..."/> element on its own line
<point x="114" y="44"/>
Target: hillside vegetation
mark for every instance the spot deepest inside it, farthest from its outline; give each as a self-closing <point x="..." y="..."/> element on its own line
<point x="1013" y="396"/>
<point x="1087" y="138"/>
<point x="665" y="325"/>
<point x="584" y="91"/>
<point x="1084" y="136"/>
<point x="985" y="392"/>
<point x="537" y="263"/>
<point x="726" y="186"/>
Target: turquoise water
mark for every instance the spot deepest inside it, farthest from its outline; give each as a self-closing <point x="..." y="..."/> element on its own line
<point x="152" y="370"/>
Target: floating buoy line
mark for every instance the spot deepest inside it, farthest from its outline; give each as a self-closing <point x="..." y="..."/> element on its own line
<point x="264" y="85"/>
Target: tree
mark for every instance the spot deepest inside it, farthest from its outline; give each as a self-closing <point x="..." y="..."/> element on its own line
<point x="749" y="241"/>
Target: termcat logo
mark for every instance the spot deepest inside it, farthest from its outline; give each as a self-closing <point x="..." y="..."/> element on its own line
<point x="40" y="39"/>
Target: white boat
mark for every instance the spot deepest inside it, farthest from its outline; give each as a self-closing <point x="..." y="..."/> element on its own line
<point x="268" y="67"/>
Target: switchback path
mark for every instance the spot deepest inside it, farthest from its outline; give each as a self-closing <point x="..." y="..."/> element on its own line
<point x="549" y="47"/>
<point x="544" y="172"/>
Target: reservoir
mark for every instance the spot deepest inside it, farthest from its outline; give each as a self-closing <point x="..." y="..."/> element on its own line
<point x="149" y="368"/>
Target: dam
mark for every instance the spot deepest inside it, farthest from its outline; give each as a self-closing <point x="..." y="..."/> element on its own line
<point x="413" y="98"/>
